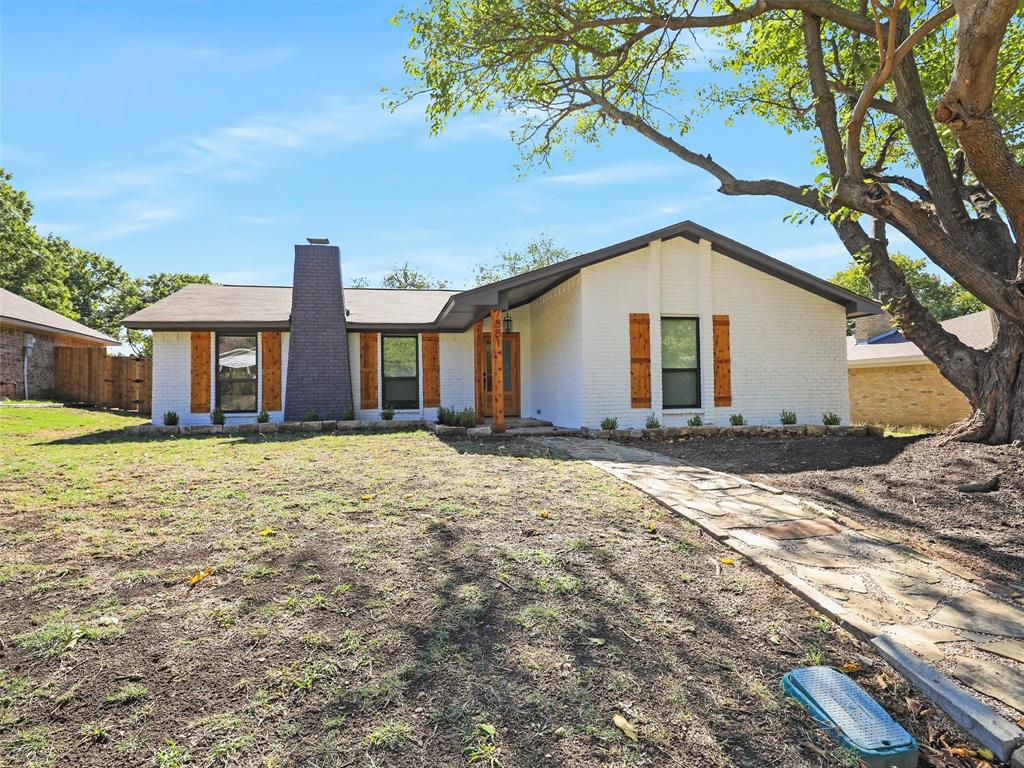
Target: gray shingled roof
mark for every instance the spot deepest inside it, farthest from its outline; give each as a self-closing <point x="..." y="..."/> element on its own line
<point x="249" y="306"/>
<point x="17" y="310"/>
<point x="202" y="307"/>
<point x="892" y="348"/>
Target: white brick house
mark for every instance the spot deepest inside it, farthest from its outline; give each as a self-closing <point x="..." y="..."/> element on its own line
<point x="676" y="322"/>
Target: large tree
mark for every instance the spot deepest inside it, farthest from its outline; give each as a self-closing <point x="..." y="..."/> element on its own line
<point x="912" y="110"/>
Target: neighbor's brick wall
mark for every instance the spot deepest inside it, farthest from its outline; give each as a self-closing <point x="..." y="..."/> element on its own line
<point x="172" y="378"/>
<point x="40" y="364"/>
<point x="905" y="395"/>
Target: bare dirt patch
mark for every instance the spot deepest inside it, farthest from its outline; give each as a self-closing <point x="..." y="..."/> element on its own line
<point x="905" y="486"/>
<point x="384" y="599"/>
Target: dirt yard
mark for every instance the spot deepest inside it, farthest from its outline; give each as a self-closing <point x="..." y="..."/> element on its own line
<point x="383" y="600"/>
<point x="903" y="486"/>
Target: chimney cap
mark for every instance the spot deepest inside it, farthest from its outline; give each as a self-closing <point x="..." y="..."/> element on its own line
<point x="318" y="241"/>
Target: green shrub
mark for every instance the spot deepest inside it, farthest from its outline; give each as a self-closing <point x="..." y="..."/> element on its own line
<point x="737" y="420"/>
<point x="609" y="424"/>
<point x="695" y="421"/>
<point x="263" y="417"/>
<point x="217" y="417"/>
<point x="387" y="414"/>
<point x="349" y="415"/>
<point x="170" y="419"/>
<point x="788" y="417"/>
<point x="455" y="418"/>
<point x="830" y="419"/>
<point x="652" y="422"/>
<point x="312" y="415"/>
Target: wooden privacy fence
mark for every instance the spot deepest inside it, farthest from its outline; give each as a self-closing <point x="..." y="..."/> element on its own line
<point x="90" y="375"/>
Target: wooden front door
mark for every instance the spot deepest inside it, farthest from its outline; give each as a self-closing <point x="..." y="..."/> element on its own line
<point x="510" y="349"/>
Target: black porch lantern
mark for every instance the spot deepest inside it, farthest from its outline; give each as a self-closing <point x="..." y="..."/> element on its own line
<point x="508" y="322"/>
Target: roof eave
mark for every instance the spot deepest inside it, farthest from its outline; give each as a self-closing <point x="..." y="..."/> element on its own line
<point x="98" y="338"/>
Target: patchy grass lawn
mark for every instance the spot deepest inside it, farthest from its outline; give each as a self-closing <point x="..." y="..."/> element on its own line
<point x="384" y="599"/>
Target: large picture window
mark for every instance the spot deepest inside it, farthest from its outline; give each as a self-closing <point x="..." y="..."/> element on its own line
<point x="400" y="372"/>
<point x="236" y="373"/>
<point x="680" y="362"/>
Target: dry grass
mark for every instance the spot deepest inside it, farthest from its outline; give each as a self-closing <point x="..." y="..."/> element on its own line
<point x="384" y="599"/>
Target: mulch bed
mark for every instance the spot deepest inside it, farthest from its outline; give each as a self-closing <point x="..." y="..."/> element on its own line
<point x="905" y="487"/>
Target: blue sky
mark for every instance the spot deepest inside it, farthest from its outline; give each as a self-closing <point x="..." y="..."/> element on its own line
<point x="210" y="137"/>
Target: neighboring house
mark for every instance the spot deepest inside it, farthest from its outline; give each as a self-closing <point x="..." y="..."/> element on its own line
<point x="28" y="335"/>
<point x="892" y="382"/>
<point x="676" y="322"/>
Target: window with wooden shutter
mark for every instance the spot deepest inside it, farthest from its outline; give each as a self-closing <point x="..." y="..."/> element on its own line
<point x="367" y="370"/>
<point x="431" y="370"/>
<point x="640" y="359"/>
<point x="723" y="360"/>
<point x="200" y="372"/>
<point x="271" y="348"/>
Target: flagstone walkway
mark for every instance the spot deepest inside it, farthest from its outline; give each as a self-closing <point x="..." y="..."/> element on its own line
<point x="882" y="591"/>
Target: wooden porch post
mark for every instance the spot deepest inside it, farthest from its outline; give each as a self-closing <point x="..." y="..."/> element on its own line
<point x="497" y="373"/>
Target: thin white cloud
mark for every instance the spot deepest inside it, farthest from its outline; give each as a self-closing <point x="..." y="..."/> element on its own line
<point x="133" y="217"/>
<point x="612" y="174"/>
<point x="237" y="150"/>
<point x="258" y="221"/>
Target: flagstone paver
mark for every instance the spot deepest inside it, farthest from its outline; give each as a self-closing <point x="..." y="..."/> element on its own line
<point x="874" y="586"/>
<point x="978" y="612"/>
<point x="996" y="680"/>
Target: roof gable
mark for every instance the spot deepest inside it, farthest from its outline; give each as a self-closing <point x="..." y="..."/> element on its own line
<point x="214" y="306"/>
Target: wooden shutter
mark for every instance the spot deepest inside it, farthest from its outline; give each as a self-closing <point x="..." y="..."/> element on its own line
<point x="367" y="370"/>
<point x="640" y="359"/>
<point x="431" y="370"/>
<point x="201" y="371"/>
<point x="723" y="361"/>
<point x="271" y="349"/>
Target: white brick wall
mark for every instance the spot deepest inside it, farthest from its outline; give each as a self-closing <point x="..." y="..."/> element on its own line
<point x="787" y="345"/>
<point x="556" y="383"/>
<point x="172" y="379"/>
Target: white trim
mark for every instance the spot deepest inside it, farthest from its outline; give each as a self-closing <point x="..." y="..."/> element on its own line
<point x="885" y="362"/>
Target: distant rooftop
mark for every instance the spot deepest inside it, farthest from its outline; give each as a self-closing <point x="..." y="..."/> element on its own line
<point x="17" y="310"/>
<point x="893" y="348"/>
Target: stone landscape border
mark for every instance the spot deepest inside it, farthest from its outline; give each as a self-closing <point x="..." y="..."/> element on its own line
<point x="444" y="430"/>
<point x="746" y="430"/>
<point x="271" y="427"/>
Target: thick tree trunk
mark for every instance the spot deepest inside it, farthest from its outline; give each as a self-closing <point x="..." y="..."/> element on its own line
<point x="997" y="399"/>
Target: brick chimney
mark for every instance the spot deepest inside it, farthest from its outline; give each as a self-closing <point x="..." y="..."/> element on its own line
<point x="868" y="327"/>
<point x="319" y="376"/>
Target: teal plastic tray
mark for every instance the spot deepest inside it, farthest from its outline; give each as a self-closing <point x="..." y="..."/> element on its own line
<point x="852" y="717"/>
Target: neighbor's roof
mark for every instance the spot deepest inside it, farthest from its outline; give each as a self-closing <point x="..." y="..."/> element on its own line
<point x="17" y="310"/>
<point x="892" y="348"/>
<point x="201" y="307"/>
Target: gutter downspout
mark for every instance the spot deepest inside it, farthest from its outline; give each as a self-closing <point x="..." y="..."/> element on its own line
<point x="30" y="342"/>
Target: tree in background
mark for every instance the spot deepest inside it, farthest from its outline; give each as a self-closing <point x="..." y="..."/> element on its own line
<point x="407" y="277"/>
<point x="83" y="285"/>
<point x="943" y="298"/>
<point x="27" y="267"/>
<point x="911" y="111"/>
<point x="540" y="252"/>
